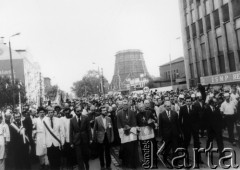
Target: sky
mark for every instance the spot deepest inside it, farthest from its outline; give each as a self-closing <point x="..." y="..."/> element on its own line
<point x="67" y="36"/>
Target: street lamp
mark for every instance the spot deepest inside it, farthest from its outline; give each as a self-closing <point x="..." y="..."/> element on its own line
<point x="11" y="63"/>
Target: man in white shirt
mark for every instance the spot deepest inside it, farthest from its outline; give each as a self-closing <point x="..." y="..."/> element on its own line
<point x="54" y="138"/>
<point x="228" y="109"/>
<point x="69" y="154"/>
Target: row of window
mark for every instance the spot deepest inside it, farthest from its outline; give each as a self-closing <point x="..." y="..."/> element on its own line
<point x="175" y="74"/>
<point x="208" y="22"/>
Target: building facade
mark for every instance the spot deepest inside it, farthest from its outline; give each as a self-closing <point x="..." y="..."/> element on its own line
<point x="211" y="38"/>
<point x="177" y="68"/>
<point x="25" y="70"/>
<point x="130" y="70"/>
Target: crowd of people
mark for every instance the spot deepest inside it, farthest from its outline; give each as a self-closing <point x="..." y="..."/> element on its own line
<point x="70" y="135"/>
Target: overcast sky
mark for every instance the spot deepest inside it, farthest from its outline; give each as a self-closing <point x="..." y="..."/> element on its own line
<point x="67" y="36"/>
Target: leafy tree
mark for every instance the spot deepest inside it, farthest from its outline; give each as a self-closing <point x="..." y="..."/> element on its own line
<point x="150" y="83"/>
<point x="90" y="84"/>
<point x="6" y="92"/>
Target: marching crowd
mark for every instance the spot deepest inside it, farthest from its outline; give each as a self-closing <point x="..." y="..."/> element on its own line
<point x="83" y="129"/>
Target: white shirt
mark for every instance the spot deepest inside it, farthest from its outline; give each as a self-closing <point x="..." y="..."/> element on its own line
<point x="228" y="108"/>
<point x="104" y="122"/>
<point x="66" y="124"/>
<point x="57" y="129"/>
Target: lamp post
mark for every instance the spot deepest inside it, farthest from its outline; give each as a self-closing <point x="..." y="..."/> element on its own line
<point x="11" y="64"/>
<point x="19" y="95"/>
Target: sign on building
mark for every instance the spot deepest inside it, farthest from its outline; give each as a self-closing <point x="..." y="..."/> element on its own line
<point x="221" y="78"/>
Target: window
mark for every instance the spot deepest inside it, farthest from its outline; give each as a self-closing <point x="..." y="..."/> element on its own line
<point x="194" y="32"/>
<point x="190" y="55"/>
<point x="213" y="66"/>
<point x="184" y="4"/>
<point x="205" y="67"/>
<point x="196" y="49"/>
<point x="200" y="26"/>
<point x="216" y="18"/>
<point x="221" y="63"/>
<point x="198" y="2"/>
<point x="187" y="32"/>
<point x="225" y="13"/>
<point x="203" y="48"/>
<point x="208" y="22"/>
<point x="238" y="37"/>
<point x="236" y="9"/>
<point x="219" y="45"/>
<point x="229" y="36"/>
<point x="210" y="37"/>
<point x="191" y="71"/>
<point x="198" y="69"/>
<point x="231" y="61"/>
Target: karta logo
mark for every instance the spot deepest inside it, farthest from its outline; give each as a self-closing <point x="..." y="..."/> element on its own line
<point x="147" y="150"/>
<point x="227" y="161"/>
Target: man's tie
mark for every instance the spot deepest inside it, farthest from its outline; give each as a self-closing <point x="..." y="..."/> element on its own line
<point x="51" y="122"/>
<point x="188" y="109"/>
<point x="169" y="115"/>
<point x="79" y="122"/>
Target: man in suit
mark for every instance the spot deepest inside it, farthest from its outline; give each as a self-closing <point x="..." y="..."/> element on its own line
<point x="199" y="103"/>
<point x="189" y="124"/>
<point x="103" y="134"/>
<point x="169" y="130"/>
<point x="214" y="123"/>
<point x="54" y="139"/>
<point x="80" y="138"/>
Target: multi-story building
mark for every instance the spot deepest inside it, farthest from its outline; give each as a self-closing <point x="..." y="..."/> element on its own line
<point x="25" y="70"/>
<point x="211" y="40"/>
<point x="130" y="70"/>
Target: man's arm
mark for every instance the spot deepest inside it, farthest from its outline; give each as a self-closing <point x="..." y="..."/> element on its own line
<point x="71" y="133"/>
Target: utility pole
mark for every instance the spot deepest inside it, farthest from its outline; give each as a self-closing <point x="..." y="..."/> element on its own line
<point x="40" y="81"/>
<point x="12" y="75"/>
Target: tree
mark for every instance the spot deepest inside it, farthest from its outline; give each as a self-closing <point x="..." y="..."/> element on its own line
<point x="150" y="83"/>
<point x="90" y="84"/>
<point x="6" y="92"/>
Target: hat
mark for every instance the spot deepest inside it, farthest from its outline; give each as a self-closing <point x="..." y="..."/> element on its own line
<point x="49" y="108"/>
<point x="226" y="95"/>
<point x="181" y="96"/>
<point x="199" y="94"/>
<point x="193" y="96"/>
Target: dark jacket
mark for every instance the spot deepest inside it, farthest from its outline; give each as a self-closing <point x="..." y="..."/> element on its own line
<point x="168" y="128"/>
<point x="213" y="119"/>
<point x="99" y="129"/>
<point x="80" y="135"/>
<point x="191" y="119"/>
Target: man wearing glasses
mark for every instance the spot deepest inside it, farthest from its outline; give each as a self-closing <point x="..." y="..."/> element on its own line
<point x="103" y="133"/>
